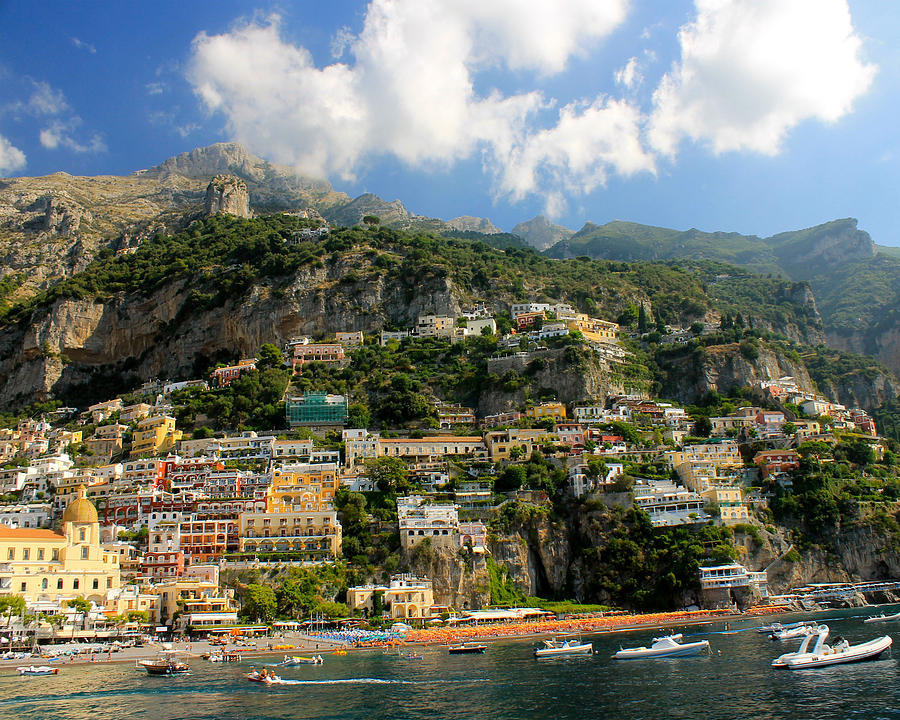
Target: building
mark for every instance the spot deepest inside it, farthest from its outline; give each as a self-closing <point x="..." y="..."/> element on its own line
<point x="406" y="598"/>
<point x="524" y="308"/>
<point x="450" y="415"/>
<point x="196" y="597"/>
<point x="388" y="335"/>
<point x="303" y="487"/>
<point x="435" y="326"/>
<point x="771" y="462"/>
<point x="545" y="410"/>
<point x="135" y="412"/>
<point x="315" y="352"/>
<point x="350" y="339"/>
<point x="502" y="444"/>
<point x="226" y="375"/>
<point x="728" y="577"/>
<point x="102" y="410"/>
<point x="583" y="484"/>
<point x="419" y="521"/>
<point x="500" y="419"/>
<point x="526" y="321"/>
<point x="204" y="540"/>
<point x="46" y="566"/>
<point x="436" y="447"/>
<point x="669" y="504"/>
<point x="359" y="445"/>
<point x="730" y="500"/>
<point x="107" y="440"/>
<point x="31" y="515"/>
<point x="306" y="535"/>
<point x="478" y="326"/>
<point x="316" y="408"/>
<point x="155" y="436"/>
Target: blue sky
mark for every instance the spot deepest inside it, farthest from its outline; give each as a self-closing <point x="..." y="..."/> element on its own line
<point x="755" y="116"/>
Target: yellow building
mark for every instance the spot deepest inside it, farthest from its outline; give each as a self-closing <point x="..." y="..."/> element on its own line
<point x="501" y="442"/>
<point x="312" y="535"/>
<point x="406" y="598"/>
<point x="192" y="596"/>
<point x="730" y="501"/>
<point x="154" y="436"/>
<point x="555" y="410"/>
<point x="49" y="566"/>
<point x="302" y="487"/>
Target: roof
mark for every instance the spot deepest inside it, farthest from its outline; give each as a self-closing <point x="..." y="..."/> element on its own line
<point x="433" y="439"/>
<point x="8" y="533"/>
<point x="80" y="510"/>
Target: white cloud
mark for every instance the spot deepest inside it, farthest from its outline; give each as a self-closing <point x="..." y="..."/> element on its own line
<point x="155" y="88"/>
<point x="11" y="158"/>
<point x="44" y="100"/>
<point x="58" y="134"/>
<point x="751" y="70"/>
<point x="630" y="74"/>
<point x="408" y="91"/>
<point x="82" y="45"/>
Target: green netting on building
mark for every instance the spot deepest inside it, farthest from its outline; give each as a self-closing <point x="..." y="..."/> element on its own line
<point x="316" y="408"/>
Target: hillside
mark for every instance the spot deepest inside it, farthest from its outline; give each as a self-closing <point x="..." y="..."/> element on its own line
<point x="224" y="286"/>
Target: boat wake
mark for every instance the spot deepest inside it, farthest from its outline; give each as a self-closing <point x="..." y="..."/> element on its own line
<point x="374" y="681"/>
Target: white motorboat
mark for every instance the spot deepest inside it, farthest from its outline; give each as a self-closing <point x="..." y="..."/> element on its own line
<point x="663" y="647"/>
<point x="37" y="670"/>
<point x="823" y="655"/>
<point x="558" y="648"/>
<point x="883" y="618"/>
<point x="795" y="632"/>
<point x="781" y="660"/>
<point x="777" y="626"/>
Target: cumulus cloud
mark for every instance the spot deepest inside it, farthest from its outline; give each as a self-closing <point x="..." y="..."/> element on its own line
<point x="59" y="134"/>
<point x="750" y="70"/>
<point x="11" y="158"/>
<point x="629" y="75"/>
<point x="409" y="91"/>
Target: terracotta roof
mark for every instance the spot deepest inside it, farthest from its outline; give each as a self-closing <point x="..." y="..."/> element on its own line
<point x="8" y="533"/>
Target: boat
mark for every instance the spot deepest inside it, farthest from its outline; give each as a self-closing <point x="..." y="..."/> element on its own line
<point x="339" y="652"/>
<point x="664" y="647"/>
<point x="781" y="660"/>
<point x="222" y="657"/>
<point x="823" y="655"/>
<point x="883" y="618"/>
<point x="558" y="648"/>
<point x="467" y="648"/>
<point x="37" y="670"/>
<point x="291" y="660"/>
<point x="795" y="632"/>
<point x="778" y="627"/>
<point x="165" y="664"/>
<point x="411" y="656"/>
<point x="263" y="676"/>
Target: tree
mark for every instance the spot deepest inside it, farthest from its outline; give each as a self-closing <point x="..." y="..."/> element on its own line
<point x="702" y="426"/>
<point x="269" y="356"/>
<point x="389" y="474"/>
<point x="11" y="605"/>
<point x="358" y="416"/>
<point x="642" y="319"/>
<point x="260" y="603"/>
<point x="788" y="428"/>
<point x="371" y="220"/>
<point x="83" y="606"/>
<point x="512" y="478"/>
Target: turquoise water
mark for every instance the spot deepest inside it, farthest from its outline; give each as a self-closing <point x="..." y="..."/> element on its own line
<point x="506" y="682"/>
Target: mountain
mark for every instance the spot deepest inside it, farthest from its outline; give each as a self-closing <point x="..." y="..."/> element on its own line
<point x="541" y="233"/>
<point x="474" y="224"/>
<point x="856" y="283"/>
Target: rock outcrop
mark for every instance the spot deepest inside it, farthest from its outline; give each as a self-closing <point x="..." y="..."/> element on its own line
<point x="474" y="224"/>
<point x="227" y="195"/>
<point x="541" y="233"/>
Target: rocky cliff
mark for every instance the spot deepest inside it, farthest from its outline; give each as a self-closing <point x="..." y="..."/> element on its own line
<point x="227" y="194"/>
<point x="541" y="233"/>
<point x="459" y="579"/>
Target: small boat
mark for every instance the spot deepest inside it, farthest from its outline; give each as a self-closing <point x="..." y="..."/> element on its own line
<point x="339" y="652"/>
<point x="411" y="656"/>
<point x="37" y="670"/>
<point x="778" y="627"/>
<point x="223" y="657"/>
<point x="798" y="631"/>
<point x="823" y="655"/>
<point x="290" y="661"/>
<point x="165" y="664"/>
<point x="781" y="660"/>
<point x="559" y="648"/>
<point x="883" y="618"/>
<point x="467" y="648"/>
<point x="263" y="676"/>
<point x="664" y="647"/>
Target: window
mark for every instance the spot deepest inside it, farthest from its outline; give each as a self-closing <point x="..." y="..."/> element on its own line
<point x="81" y="535"/>
<point x="109" y="582"/>
<point x="96" y="584"/>
<point x="11" y="554"/>
<point x="24" y="586"/>
<point x="40" y="553"/>
<point x="75" y="584"/>
<point x="26" y="552"/>
<point x="55" y="554"/>
<point x="84" y="553"/>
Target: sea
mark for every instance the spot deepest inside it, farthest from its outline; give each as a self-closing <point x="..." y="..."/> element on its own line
<point x="734" y="681"/>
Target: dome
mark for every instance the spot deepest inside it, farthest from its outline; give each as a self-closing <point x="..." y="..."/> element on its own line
<point x="80" y="510"/>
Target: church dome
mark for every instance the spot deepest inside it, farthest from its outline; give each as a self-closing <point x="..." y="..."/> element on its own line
<point x="80" y="510"/>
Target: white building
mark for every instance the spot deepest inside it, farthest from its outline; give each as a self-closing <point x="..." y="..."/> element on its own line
<point x="359" y="444"/>
<point x="418" y="521"/>
<point x="669" y="504"/>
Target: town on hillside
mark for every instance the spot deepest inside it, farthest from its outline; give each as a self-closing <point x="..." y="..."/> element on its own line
<point x="132" y="512"/>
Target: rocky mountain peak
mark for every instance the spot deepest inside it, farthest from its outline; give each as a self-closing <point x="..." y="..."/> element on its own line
<point x="228" y="195"/>
<point x="540" y="233"/>
<point x="466" y="223"/>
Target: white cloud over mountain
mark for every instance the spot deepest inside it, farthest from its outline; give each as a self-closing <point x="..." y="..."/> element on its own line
<point x="749" y="71"/>
<point x="11" y="158"/>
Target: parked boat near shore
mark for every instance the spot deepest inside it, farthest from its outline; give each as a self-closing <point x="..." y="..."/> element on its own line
<point x="559" y="648"/>
<point x="467" y="648"/>
<point x="823" y="655"/>
<point x="37" y="670"/>
<point x="664" y="647"/>
<point x="166" y="664"/>
<point x="883" y="618"/>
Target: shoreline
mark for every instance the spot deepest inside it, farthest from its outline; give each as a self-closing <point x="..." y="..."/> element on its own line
<point x="427" y="637"/>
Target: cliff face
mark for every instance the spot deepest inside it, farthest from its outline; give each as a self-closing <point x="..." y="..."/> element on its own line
<point x="228" y="195"/>
<point x="132" y="338"/>
<point x="458" y="580"/>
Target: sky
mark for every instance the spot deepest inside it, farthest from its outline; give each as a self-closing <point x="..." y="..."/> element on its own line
<point x="753" y="116"/>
